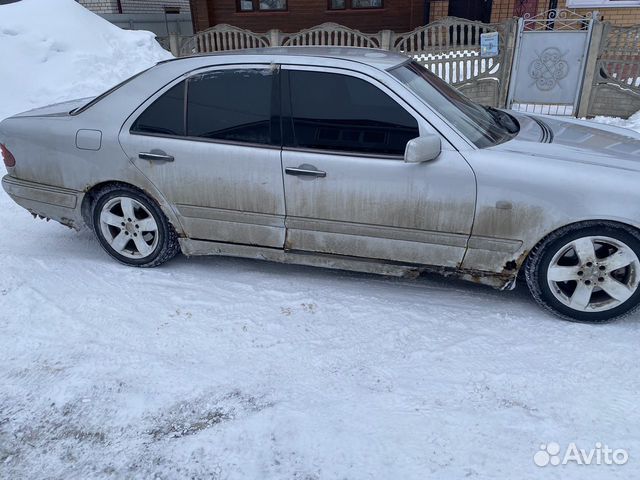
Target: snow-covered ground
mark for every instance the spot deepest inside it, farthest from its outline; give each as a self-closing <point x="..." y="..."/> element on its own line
<point x="239" y="369"/>
<point x="222" y="368"/>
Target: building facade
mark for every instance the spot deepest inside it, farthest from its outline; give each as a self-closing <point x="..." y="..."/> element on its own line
<point x="136" y="6"/>
<point x="293" y="15"/>
<point x="162" y="17"/>
<point x="397" y="15"/>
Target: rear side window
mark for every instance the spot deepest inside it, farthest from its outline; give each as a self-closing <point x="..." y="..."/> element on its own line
<point x="165" y="115"/>
<point x="233" y="105"/>
<point x="330" y="111"/>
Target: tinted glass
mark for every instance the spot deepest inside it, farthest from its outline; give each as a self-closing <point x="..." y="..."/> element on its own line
<point x="482" y="126"/>
<point x="246" y="5"/>
<point x="337" y="112"/>
<point x="165" y="115"/>
<point x="232" y="105"/>
<point x="337" y="4"/>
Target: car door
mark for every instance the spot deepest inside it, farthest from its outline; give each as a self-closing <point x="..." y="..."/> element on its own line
<point x="348" y="190"/>
<point x="211" y="145"/>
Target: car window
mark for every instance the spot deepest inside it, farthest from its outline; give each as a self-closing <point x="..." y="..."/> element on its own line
<point x="165" y="115"/>
<point x="232" y="105"/>
<point x="330" y="111"/>
<point x="483" y="126"/>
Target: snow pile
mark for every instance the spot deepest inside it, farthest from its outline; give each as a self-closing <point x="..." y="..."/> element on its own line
<point x="633" y="122"/>
<point x="56" y="50"/>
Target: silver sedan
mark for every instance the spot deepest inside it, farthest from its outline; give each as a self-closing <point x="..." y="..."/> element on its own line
<point x="344" y="158"/>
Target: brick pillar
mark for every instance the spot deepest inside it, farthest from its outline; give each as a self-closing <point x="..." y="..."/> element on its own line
<point x="200" y="15"/>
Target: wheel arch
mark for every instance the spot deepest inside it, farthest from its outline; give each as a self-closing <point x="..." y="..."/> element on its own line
<point x="92" y="193"/>
<point x="534" y="271"/>
<point x="528" y="254"/>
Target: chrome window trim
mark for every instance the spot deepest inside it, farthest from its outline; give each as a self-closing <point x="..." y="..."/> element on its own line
<point x="344" y="153"/>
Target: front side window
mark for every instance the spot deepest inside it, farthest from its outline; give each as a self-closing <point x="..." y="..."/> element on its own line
<point x="232" y="105"/>
<point x="329" y="111"/>
<point x="164" y="116"/>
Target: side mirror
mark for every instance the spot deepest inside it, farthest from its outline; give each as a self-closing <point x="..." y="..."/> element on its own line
<point x="423" y="149"/>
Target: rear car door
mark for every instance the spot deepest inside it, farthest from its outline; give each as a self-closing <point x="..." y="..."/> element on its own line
<point x="348" y="190"/>
<point x="210" y="142"/>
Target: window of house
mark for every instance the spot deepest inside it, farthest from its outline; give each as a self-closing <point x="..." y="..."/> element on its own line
<point x="356" y="4"/>
<point x="272" y="4"/>
<point x="366" y="3"/>
<point x="245" y="5"/>
<point x="261" y="5"/>
<point x="164" y="116"/>
<point x="233" y="105"/>
<point x="329" y="111"/>
<point x="602" y="3"/>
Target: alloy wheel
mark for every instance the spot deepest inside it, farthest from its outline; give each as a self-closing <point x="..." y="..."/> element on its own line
<point x="593" y="274"/>
<point x="129" y="227"/>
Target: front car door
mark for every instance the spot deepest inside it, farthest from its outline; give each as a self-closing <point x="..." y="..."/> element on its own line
<point x="210" y="142"/>
<point x="348" y="190"/>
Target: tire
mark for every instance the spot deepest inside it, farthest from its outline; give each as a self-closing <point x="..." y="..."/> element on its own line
<point x="587" y="273"/>
<point x="131" y="227"/>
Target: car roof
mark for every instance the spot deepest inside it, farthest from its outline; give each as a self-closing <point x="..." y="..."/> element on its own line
<point x="380" y="59"/>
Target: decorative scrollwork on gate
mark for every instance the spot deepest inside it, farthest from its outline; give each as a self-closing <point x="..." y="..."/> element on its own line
<point x="557" y="19"/>
<point x="548" y="69"/>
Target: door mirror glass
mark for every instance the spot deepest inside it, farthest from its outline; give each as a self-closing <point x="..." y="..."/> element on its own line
<point x="423" y="149"/>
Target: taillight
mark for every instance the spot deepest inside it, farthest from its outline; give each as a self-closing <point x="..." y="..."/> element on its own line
<point x="7" y="156"/>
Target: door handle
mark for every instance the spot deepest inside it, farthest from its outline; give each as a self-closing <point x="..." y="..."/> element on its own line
<point x="305" y="172"/>
<point x="155" y="157"/>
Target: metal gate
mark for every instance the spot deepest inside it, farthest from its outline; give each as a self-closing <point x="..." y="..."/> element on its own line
<point x="548" y="68"/>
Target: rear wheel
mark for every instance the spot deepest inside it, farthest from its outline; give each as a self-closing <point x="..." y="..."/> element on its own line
<point x="589" y="274"/>
<point x="132" y="228"/>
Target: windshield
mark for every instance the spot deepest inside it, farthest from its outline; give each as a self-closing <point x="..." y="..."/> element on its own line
<point x="481" y="125"/>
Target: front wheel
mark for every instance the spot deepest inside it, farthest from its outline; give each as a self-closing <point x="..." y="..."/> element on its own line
<point x="132" y="228"/>
<point x="587" y="274"/>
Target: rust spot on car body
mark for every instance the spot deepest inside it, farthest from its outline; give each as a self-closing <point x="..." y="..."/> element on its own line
<point x="511" y="265"/>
